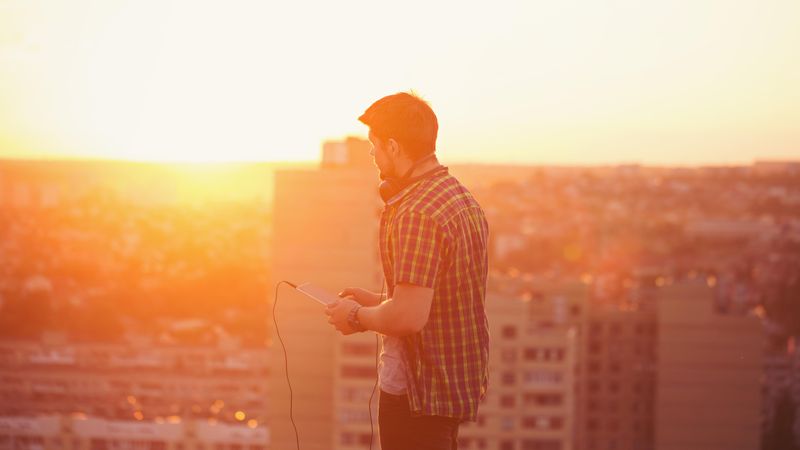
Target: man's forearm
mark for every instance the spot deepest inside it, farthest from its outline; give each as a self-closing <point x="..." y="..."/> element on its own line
<point x="386" y="318"/>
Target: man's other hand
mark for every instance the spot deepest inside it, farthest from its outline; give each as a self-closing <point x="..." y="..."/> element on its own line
<point x="337" y="315"/>
<point x="362" y="296"/>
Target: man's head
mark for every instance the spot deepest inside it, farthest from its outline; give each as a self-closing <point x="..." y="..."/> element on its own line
<point x="401" y="127"/>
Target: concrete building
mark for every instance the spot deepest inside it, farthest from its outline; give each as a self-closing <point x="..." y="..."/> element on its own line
<point x="120" y="382"/>
<point x="75" y="432"/>
<point x="781" y="384"/>
<point x="710" y="367"/>
<point x="616" y="375"/>
<point x="530" y="402"/>
<point x="325" y="232"/>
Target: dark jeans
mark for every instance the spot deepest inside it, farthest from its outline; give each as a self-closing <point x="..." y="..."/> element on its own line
<point x="400" y="431"/>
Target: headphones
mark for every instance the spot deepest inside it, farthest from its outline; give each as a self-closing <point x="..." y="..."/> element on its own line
<point x="391" y="186"/>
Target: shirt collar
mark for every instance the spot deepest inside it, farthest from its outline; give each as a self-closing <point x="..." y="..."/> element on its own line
<point x="400" y="195"/>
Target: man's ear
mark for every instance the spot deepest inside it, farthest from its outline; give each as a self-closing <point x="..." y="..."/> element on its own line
<point x="393" y="147"/>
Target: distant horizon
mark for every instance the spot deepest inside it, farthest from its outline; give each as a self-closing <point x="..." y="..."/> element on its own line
<point x="311" y="162"/>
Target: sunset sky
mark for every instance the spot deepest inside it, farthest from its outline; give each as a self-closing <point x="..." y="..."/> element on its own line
<point x="567" y="82"/>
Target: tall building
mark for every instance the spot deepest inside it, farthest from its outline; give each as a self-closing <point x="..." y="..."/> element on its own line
<point x="781" y="390"/>
<point x="325" y="232"/>
<point x="530" y="401"/>
<point x="709" y="366"/>
<point x="616" y="374"/>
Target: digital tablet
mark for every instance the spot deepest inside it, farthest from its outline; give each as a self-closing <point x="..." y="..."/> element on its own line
<point x="318" y="294"/>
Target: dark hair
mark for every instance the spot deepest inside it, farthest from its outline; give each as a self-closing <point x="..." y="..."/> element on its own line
<point x="407" y="119"/>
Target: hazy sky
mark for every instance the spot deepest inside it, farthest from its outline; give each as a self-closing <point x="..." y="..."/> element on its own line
<point x="566" y="82"/>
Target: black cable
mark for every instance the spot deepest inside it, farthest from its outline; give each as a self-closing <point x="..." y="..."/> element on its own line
<point x="377" y="350"/>
<point x="286" y="365"/>
<point x="285" y="358"/>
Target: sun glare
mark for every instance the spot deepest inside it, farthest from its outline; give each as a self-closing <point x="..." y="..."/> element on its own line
<point x="183" y="81"/>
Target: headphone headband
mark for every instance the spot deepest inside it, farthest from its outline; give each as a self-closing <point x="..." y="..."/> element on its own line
<point x="392" y="186"/>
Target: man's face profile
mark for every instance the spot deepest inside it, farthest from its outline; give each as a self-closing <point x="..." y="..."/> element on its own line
<point x="380" y="156"/>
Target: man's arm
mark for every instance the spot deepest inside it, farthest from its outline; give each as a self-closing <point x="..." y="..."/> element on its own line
<point x="406" y="313"/>
<point x="403" y="314"/>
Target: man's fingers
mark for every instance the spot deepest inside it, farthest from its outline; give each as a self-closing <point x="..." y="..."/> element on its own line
<point x="348" y="291"/>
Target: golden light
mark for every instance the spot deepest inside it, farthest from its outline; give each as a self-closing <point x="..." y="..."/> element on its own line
<point x="597" y="83"/>
<point x="711" y="280"/>
<point x="239" y="415"/>
<point x="138" y="415"/>
<point x="252" y="423"/>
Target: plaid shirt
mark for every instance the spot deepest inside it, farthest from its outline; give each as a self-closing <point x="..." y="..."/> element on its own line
<point x="434" y="234"/>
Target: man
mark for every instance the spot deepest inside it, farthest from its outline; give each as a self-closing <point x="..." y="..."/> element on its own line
<point x="433" y="236"/>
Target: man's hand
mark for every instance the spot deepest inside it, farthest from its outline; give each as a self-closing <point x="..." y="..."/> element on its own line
<point x="362" y="296"/>
<point x="337" y="315"/>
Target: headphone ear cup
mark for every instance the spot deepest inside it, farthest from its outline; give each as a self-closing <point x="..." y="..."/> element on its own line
<point x="390" y="187"/>
<point x="387" y="190"/>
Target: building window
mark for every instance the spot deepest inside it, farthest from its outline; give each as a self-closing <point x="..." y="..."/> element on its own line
<point x="508" y="355"/>
<point x="539" y="444"/>
<point x="507" y="401"/>
<point x="347" y="438"/>
<point x="358" y="349"/>
<point x="536" y="399"/>
<point x="531" y="354"/>
<point x="509" y="332"/>
<point x="351" y="371"/>
<point x="353" y="416"/>
<point x="543" y="422"/>
<point x="364" y="439"/>
<point x="509" y="378"/>
<point x="535" y="377"/>
<point x="506" y="445"/>
<point x="507" y="423"/>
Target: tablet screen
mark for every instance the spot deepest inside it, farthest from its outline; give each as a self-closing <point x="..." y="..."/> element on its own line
<point x="318" y="294"/>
